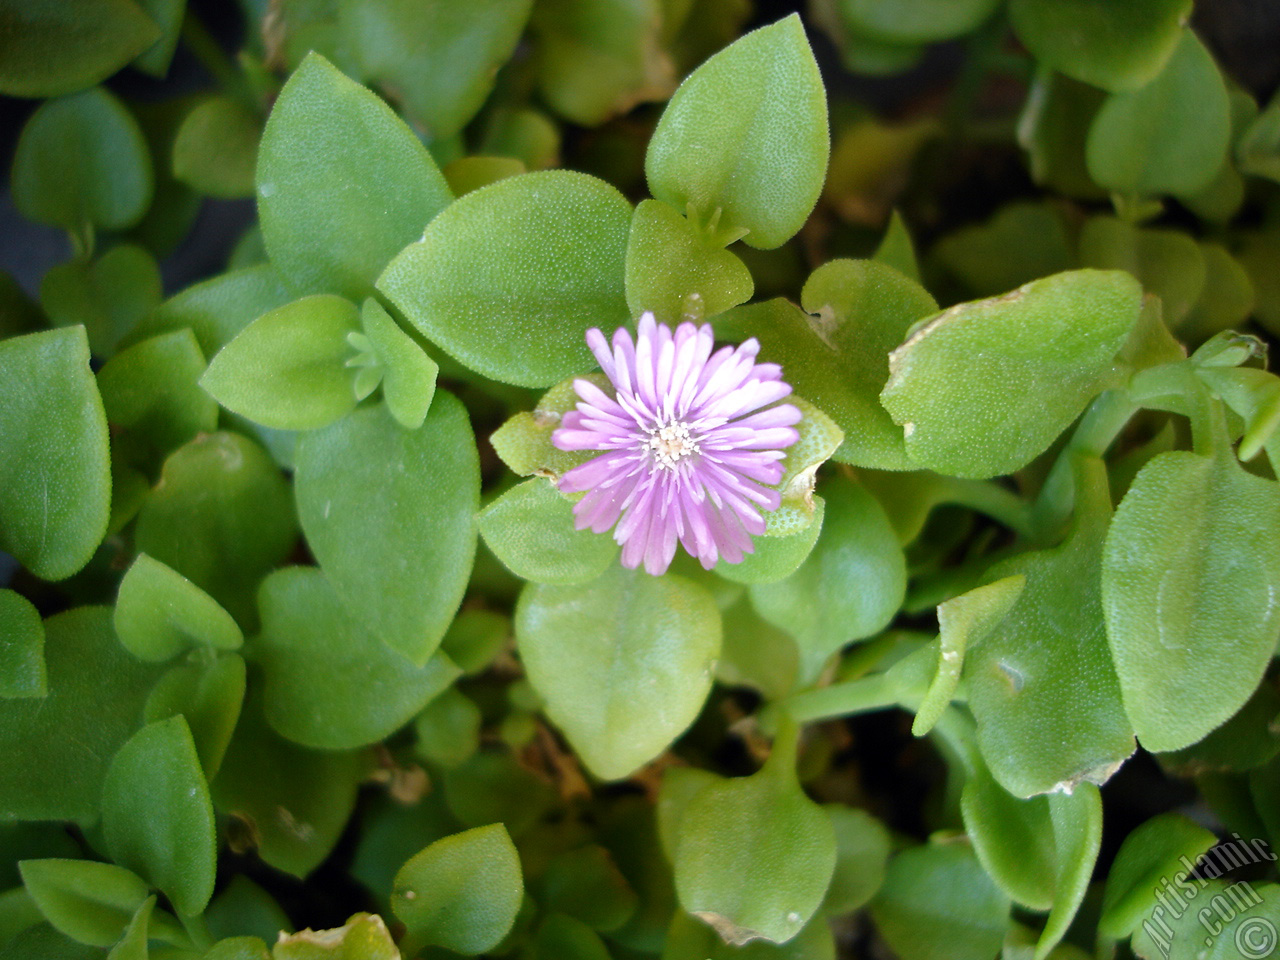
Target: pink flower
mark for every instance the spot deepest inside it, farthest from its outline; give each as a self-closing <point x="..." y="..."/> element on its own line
<point x="689" y="453"/>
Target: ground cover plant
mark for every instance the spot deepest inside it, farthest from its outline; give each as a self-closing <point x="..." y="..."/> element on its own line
<point x="630" y="491"/>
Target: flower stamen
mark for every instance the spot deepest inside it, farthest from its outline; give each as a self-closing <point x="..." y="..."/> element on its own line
<point x="671" y="443"/>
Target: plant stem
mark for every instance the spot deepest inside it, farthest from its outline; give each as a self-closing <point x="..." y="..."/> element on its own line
<point x="997" y="502"/>
<point x="865" y="695"/>
<point x="1098" y="428"/>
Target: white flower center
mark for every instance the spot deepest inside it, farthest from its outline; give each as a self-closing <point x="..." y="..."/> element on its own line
<point x="671" y="443"/>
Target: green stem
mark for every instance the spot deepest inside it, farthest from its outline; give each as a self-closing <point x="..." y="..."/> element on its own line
<point x="786" y="743"/>
<point x="840" y="700"/>
<point x="999" y="503"/>
<point x="1098" y="428"/>
<point x="1209" y="435"/>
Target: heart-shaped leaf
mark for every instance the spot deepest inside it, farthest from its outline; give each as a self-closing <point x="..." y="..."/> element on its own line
<point x="623" y="663"/>
<point x="746" y="135"/>
<point x="510" y="277"/>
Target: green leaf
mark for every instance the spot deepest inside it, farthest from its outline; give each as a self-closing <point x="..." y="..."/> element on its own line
<point x="1013" y="838"/>
<point x="754" y="855"/>
<point x="862" y="850"/>
<point x="1151" y="853"/>
<point x="408" y="374"/>
<point x="849" y="588"/>
<point x="343" y="184"/>
<point x="530" y="528"/>
<point x="1214" y="528"/>
<point x="1258" y="148"/>
<point x="474" y="638"/>
<point x="167" y="14"/>
<point x="109" y="296"/>
<point x="1116" y="46"/>
<point x="937" y="903"/>
<point x="897" y="250"/>
<point x="863" y="55"/>
<point x="493" y="787"/>
<point x="599" y="58"/>
<point x="969" y="386"/>
<point x="836" y="354"/>
<point x="217" y="309"/>
<point x="743" y="143"/>
<point x="94" y="704"/>
<point x="962" y="622"/>
<point x="239" y="948"/>
<point x="288" y="801"/>
<point x="1049" y="712"/>
<point x="679" y="786"/>
<point x="388" y="513"/>
<point x="22" y="667"/>
<point x="286" y="370"/>
<point x="363" y="937"/>
<point x="174" y="205"/>
<point x="151" y="391"/>
<point x="510" y="277"/>
<point x="90" y="902"/>
<point x="756" y="654"/>
<point x="221" y="516"/>
<point x="1023" y="241"/>
<point x="209" y="696"/>
<point x="624" y="663"/>
<point x="915" y="21"/>
<point x="1226" y="301"/>
<point x="448" y="729"/>
<point x="777" y="557"/>
<point x="43" y="942"/>
<point x="216" y="148"/>
<point x="1169" y="263"/>
<point x="55" y="479"/>
<point x="818" y="441"/>
<point x="1077" y="837"/>
<point x="1244" y="742"/>
<point x="1168" y="136"/>
<point x="462" y="892"/>
<point x="439" y="61"/>
<point x="871" y="160"/>
<point x="568" y="938"/>
<point x="1057" y="109"/>
<point x="1226" y="921"/>
<point x="160" y="613"/>
<point x="330" y="683"/>
<point x="80" y="161"/>
<point x="133" y="945"/>
<point x="586" y="884"/>
<point x="53" y="48"/>
<point x="242" y="908"/>
<point x="676" y="271"/>
<point x="527" y="134"/>
<point x="524" y="441"/>
<point x="467" y="174"/>
<point x="690" y="939"/>
<point x="157" y="818"/>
